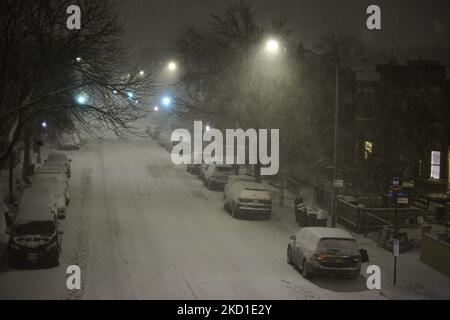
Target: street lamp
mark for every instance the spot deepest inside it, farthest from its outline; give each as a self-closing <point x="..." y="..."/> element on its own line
<point x="172" y="66"/>
<point x="142" y="73"/>
<point x="156" y="108"/>
<point x="78" y="59"/>
<point x="272" y="46"/>
<point x="166" y="101"/>
<point x="335" y="62"/>
<point x="81" y="99"/>
<point x="44" y="125"/>
<point x="208" y="128"/>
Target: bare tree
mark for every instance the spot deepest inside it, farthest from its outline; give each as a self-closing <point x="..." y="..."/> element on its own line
<point x="45" y="69"/>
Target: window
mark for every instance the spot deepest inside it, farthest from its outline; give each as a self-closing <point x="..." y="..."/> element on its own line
<point x="368" y="149"/>
<point x="435" y="164"/>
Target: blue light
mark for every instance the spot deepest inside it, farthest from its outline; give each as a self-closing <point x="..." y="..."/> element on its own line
<point x="167" y="101"/>
<point x="81" y="99"/>
<point x="130" y="95"/>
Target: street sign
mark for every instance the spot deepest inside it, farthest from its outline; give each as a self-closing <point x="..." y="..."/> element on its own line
<point x="396" y="184"/>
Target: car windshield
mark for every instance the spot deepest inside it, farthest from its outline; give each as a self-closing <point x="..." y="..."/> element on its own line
<point x="338" y="246"/>
<point x="36" y="227"/>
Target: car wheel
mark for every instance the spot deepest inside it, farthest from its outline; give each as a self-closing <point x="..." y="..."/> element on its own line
<point x="289" y="255"/>
<point x="305" y="272"/>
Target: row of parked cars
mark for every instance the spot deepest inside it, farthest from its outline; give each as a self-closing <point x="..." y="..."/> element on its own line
<point x="315" y="251"/>
<point x="35" y="231"/>
<point x="243" y="196"/>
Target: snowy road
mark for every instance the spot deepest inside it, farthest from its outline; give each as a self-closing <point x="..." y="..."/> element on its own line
<point x="142" y="228"/>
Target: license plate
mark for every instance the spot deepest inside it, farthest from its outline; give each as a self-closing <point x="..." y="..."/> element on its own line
<point x="338" y="260"/>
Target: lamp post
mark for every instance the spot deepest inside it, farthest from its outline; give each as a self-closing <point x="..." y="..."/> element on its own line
<point x="336" y="128"/>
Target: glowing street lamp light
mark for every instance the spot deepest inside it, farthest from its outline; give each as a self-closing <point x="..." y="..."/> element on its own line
<point x="172" y="66"/>
<point x="167" y="101"/>
<point x="130" y="95"/>
<point x="81" y="99"/>
<point x="208" y="128"/>
<point x="156" y="108"/>
<point x="272" y="46"/>
<point x="78" y="59"/>
<point x="142" y="73"/>
<point x="44" y="125"/>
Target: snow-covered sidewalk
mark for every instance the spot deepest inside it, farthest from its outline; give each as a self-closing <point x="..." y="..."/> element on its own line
<point x="415" y="279"/>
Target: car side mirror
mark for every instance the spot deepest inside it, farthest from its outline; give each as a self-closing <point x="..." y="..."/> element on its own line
<point x="364" y="255"/>
<point x="293" y="237"/>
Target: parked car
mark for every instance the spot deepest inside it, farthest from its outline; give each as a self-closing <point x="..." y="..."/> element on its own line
<point x="163" y="139"/>
<point x="54" y="172"/>
<point x="244" y="196"/>
<point x="60" y="158"/>
<point x="68" y="142"/>
<point x="202" y="171"/>
<point x="35" y="235"/>
<point x="216" y="175"/>
<point x="58" y="190"/>
<point x="321" y="251"/>
<point x="193" y="167"/>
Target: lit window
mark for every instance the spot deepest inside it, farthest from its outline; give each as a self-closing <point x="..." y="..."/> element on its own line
<point x="368" y="149"/>
<point x="435" y="164"/>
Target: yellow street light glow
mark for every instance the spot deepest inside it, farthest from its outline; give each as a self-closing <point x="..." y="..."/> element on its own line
<point x="172" y="66"/>
<point x="272" y="46"/>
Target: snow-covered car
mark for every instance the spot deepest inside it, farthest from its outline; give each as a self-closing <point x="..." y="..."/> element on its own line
<point x="35" y="235"/>
<point x="319" y="251"/>
<point x="193" y="167"/>
<point x="164" y="139"/>
<point x="243" y="196"/>
<point x="57" y="188"/>
<point x="60" y="158"/>
<point x="202" y="171"/>
<point x="51" y="172"/>
<point x="216" y="176"/>
<point x="69" y="142"/>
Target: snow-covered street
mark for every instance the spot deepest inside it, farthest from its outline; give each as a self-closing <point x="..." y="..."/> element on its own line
<point x="142" y="228"/>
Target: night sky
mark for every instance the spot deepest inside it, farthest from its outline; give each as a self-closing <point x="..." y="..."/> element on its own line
<point x="405" y="23"/>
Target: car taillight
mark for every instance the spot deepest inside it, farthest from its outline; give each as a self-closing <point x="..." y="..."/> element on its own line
<point x="321" y="257"/>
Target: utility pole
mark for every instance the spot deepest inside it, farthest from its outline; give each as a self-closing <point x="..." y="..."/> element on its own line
<point x="334" y="187"/>
<point x="395" y="242"/>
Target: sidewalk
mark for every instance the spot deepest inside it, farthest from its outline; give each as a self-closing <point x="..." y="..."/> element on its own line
<point x="415" y="280"/>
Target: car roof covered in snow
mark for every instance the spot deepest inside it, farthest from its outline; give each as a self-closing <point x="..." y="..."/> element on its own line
<point x="236" y="178"/>
<point x="252" y="185"/>
<point x="57" y="168"/>
<point x="57" y="156"/>
<point x="34" y="213"/>
<point x="336" y="233"/>
<point x="36" y="196"/>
